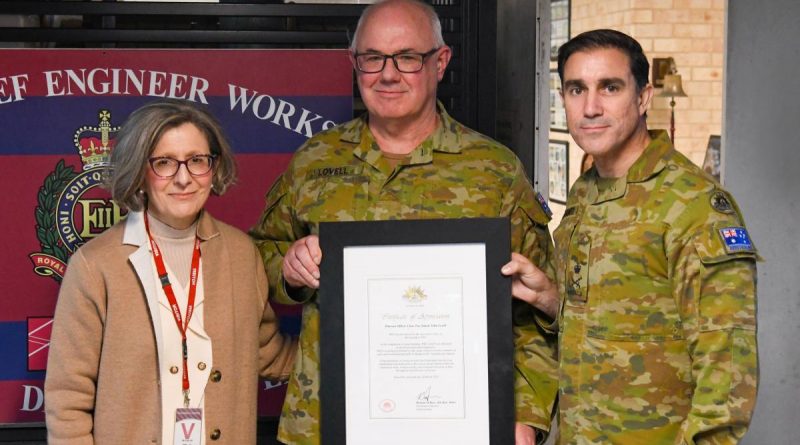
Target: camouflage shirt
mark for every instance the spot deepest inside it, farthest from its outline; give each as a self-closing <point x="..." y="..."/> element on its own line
<point x="657" y="330"/>
<point x="340" y="175"/>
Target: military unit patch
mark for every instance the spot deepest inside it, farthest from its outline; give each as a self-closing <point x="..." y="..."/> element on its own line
<point x="721" y="203"/>
<point x="736" y="239"/>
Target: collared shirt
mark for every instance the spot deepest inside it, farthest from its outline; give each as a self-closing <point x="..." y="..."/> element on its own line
<point x="657" y="330"/>
<point x="341" y="175"/>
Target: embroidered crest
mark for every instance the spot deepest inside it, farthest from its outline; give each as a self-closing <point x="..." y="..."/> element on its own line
<point x="736" y="239"/>
<point x="721" y="203"/>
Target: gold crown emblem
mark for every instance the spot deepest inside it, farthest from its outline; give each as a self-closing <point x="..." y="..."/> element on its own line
<point x="94" y="144"/>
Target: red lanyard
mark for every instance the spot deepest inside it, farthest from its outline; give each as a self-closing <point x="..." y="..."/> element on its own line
<point x="173" y="302"/>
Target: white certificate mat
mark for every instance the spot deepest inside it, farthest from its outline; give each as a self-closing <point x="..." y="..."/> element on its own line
<point x="413" y="372"/>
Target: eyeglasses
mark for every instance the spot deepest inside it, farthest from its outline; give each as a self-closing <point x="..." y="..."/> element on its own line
<point x="405" y="62"/>
<point x="166" y="167"/>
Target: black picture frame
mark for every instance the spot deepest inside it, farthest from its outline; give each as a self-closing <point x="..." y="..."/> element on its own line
<point x="494" y="233"/>
<point x="558" y="171"/>
<point x="559" y="25"/>
<point x="558" y="114"/>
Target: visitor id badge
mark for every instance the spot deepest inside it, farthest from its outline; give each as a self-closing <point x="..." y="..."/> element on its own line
<point x="188" y="426"/>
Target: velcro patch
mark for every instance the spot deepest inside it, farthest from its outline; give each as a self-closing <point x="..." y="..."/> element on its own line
<point x="736" y="239"/>
<point x="721" y="202"/>
<point x="543" y="202"/>
<point x="328" y="172"/>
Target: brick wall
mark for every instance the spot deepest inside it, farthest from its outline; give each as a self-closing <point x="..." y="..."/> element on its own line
<point x="690" y="31"/>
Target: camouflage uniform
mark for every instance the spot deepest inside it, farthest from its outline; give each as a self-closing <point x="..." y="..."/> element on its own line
<point x="657" y="335"/>
<point x="340" y="175"/>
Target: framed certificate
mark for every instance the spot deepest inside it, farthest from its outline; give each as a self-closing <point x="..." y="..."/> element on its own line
<point x="416" y="343"/>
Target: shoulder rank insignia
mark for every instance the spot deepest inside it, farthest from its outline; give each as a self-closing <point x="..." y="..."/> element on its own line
<point x="736" y="239"/>
<point x="721" y="203"/>
<point x="543" y="202"/>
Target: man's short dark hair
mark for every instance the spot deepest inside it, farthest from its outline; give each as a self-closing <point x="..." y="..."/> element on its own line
<point x="607" y="38"/>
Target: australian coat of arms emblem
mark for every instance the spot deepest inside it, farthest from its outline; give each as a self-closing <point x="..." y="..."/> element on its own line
<point x="415" y="294"/>
<point x="71" y="206"/>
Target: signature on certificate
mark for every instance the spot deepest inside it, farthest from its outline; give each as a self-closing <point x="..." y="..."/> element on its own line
<point x="426" y="396"/>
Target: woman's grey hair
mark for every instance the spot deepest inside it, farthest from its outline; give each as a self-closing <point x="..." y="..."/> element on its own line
<point x="436" y="25"/>
<point x="139" y="136"/>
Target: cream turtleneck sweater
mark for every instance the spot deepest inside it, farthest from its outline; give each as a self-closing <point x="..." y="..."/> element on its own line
<point x="176" y="245"/>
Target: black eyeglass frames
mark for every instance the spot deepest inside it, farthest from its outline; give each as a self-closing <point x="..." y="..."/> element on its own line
<point x="405" y="62"/>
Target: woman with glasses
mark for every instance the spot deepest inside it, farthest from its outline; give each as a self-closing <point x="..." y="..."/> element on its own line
<point x="162" y="325"/>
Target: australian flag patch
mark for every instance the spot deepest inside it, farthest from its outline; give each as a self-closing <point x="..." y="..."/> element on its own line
<point x="736" y="239"/>
<point x="543" y="202"/>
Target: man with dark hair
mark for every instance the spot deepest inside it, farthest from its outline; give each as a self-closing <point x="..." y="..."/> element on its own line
<point x="655" y="296"/>
<point x="608" y="38"/>
<point x="405" y="159"/>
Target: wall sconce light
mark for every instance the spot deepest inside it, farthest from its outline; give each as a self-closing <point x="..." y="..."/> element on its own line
<point x="661" y="67"/>
<point x="671" y="87"/>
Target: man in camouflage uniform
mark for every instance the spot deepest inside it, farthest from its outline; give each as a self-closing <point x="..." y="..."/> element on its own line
<point x="655" y="273"/>
<point x="406" y="159"/>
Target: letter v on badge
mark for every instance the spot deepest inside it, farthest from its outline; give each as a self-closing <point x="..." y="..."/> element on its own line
<point x="188" y="426"/>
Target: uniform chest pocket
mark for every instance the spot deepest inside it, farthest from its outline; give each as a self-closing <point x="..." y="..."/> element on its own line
<point x="572" y="265"/>
<point x="330" y="198"/>
<point x="562" y="237"/>
<point x="630" y="293"/>
<point x="432" y="199"/>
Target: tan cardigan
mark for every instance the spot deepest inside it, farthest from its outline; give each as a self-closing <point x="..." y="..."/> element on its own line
<point x="102" y="383"/>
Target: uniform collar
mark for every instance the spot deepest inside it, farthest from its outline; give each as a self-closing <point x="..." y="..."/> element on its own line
<point x="445" y="138"/>
<point x="654" y="158"/>
<point x="651" y="162"/>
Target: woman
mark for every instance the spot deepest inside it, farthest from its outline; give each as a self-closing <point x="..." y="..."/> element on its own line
<point x="162" y="324"/>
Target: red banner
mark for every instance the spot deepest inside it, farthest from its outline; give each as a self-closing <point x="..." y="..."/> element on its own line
<point x="59" y="113"/>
